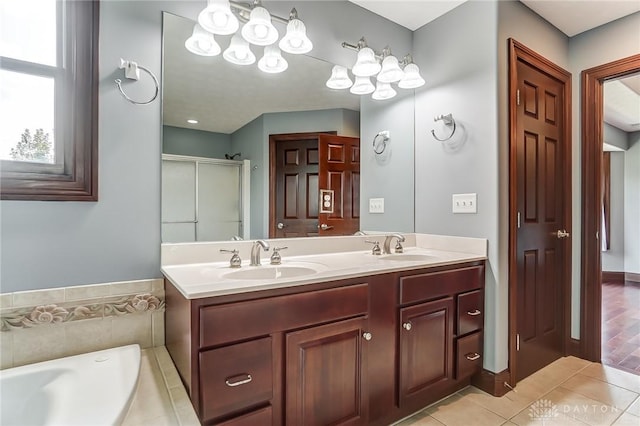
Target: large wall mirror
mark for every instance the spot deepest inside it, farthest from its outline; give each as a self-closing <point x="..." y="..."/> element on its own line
<point x="221" y="164"/>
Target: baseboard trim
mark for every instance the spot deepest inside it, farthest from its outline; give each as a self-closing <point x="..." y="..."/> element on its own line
<point x="573" y="348"/>
<point x="613" y="277"/>
<point x="490" y="382"/>
<point x="631" y="276"/>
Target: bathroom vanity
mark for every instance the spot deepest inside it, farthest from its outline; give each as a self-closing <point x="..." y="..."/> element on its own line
<point x="368" y="340"/>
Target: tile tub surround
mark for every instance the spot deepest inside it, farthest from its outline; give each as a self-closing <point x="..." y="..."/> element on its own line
<point x="41" y="325"/>
<point x="199" y="269"/>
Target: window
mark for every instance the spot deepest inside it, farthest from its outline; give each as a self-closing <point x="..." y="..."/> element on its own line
<point x="49" y="100"/>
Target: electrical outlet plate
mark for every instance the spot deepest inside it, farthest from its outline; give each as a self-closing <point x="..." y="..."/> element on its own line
<point x="376" y="205"/>
<point x="464" y="203"/>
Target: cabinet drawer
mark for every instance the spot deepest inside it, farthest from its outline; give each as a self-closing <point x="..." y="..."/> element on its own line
<point x="434" y="285"/>
<point x="470" y="312"/>
<point x="262" y="417"/>
<point x="235" y="377"/>
<point x="244" y="320"/>
<point x="469" y="355"/>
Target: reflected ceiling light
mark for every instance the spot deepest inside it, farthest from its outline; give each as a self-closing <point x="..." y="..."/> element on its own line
<point x="192" y="121"/>
<point x="224" y="16"/>
<point x="383" y="91"/>
<point x="339" y="78"/>
<point x="217" y="18"/>
<point x="239" y="52"/>
<point x="202" y="42"/>
<point x="296" y="40"/>
<point x="362" y="86"/>
<point x="368" y="64"/>
<point x="272" y="62"/>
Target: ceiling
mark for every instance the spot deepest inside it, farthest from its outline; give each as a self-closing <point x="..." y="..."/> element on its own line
<point x="622" y="103"/>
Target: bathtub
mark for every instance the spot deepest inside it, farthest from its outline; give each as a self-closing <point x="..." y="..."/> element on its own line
<point x="89" y="389"/>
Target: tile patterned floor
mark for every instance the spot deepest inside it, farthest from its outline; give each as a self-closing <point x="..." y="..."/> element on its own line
<point x="570" y="391"/>
<point x="621" y="326"/>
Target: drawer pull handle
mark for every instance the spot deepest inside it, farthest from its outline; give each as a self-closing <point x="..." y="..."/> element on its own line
<point x="407" y="326"/>
<point x="472" y="356"/>
<point x="474" y="313"/>
<point x="246" y="379"/>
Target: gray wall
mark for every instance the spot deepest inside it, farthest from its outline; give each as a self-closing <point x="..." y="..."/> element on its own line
<point x="614" y="136"/>
<point x="613" y="259"/>
<point x="632" y="205"/>
<point x="196" y="143"/>
<point x="54" y="244"/>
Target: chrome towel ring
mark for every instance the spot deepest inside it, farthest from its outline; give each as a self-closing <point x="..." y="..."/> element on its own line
<point x="132" y="72"/>
<point x="449" y="122"/>
<point x="380" y="142"/>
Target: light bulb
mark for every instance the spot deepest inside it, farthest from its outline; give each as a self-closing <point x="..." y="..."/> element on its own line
<point x="296" y="42"/>
<point x="241" y="54"/>
<point x="260" y="31"/>
<point x="220" y="19"/>
<point x="271" y="61"/>
<point x="204" y="44"/>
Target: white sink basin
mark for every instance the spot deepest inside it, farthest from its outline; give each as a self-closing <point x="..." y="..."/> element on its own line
<point x="405" y="257"/>
<point x="274" y="272"/>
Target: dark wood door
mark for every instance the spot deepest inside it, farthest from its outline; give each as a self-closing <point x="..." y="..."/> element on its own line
<point x="339" y="171"/>
<point x="326" y="375"/>
<point x="296" y="192"/>
<point x="540" y="204"/>
<point x="426" y="347"/>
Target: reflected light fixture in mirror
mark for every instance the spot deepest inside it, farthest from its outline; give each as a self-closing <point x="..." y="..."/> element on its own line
<point x="339" y="78"/>
<point x="223" y="17"/>
<point x="385" y="67"/>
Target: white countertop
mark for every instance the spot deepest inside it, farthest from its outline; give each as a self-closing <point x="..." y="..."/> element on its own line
<point x="306" y="261"/>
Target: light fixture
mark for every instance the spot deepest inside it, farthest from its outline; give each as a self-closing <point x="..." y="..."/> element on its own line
<point x="272" y="62"/>
<point x="239" y="52"/>
<point x="224" y="16"/>
<point x="362" y="86"/>
<point x="217" y="18"/>
<point x="296" y="40"/>
<point x="202" y="42"/>
<point x="339" y="78"/>
<point x="192" y="121"/>
<point x="368" y="64"/>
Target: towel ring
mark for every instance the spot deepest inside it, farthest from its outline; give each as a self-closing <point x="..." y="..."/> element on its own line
<point x="449" y="122"/>
<point x="155" y="81"/>
<point x="380" y="140"/>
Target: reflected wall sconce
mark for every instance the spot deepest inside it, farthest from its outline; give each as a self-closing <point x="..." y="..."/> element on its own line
<point x="224" y="17"/>
<point x="386" y="68"/>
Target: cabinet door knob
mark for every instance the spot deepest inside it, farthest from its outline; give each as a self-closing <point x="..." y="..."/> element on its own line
<point x="243" y="379"/>
<point x="472" y="356"/>
<point x="407" y="326"/>
<point x="474" y="313"/>
<point x="367" y="336"/>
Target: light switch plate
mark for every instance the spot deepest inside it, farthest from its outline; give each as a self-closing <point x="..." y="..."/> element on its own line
<point x="465" y="203"/>
<point x="376" y="205"/>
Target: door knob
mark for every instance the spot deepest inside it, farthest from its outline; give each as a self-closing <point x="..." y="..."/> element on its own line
<point x="562" y="234"/>
<point x="367" y="336"/>
<point x="324" y="226"/>
<point x="407" y="326"/>
<point x="280" y="225"/>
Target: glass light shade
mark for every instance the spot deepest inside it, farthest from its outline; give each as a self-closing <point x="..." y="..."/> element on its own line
<point x="412" y="78"/>
<point x="259" y="30"/>
<point x="272" y="62"/>
<point x="295" y="40"/>
<point x="339" y="78"/>
<point x="367" y="64"/>
<point x="383" y="91"/>
<point x="362" y="86"/>
<point x="239" y="52"/>
<point x="391" y="71"/>
<point x="202" y="42"/>
<point x="217" y="18"/>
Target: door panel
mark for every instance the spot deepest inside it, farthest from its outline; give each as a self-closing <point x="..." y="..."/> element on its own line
<point x="540" y="203"/>
<point x="339" y="171"/>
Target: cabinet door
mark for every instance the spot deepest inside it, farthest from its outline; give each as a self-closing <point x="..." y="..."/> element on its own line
<point x="426" y="347"/>
<point x="326" y="372"/>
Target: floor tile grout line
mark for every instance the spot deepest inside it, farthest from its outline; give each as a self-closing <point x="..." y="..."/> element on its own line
<point x="166" y="385"/>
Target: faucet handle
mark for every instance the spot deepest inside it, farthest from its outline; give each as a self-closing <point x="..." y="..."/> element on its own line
<point x="399" y="248"/>
<point x="375" y="250"/>
<point x="276" y="259"/>
<point x="235" y="261"/>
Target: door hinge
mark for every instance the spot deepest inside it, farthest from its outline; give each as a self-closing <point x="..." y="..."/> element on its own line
<point x="517" y="342"/>
<point x="518" y="220"/>
<point x="518" y="97"/>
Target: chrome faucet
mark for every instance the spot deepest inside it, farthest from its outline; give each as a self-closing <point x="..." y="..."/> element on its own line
<point x="255" y="251"/>
<point x="386" y="247"/>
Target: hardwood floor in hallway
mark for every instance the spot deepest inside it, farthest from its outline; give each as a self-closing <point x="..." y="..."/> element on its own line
<point x="621" y="326"/>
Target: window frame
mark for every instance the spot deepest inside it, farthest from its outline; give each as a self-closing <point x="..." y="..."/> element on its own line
<point x="76" y="80"/>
